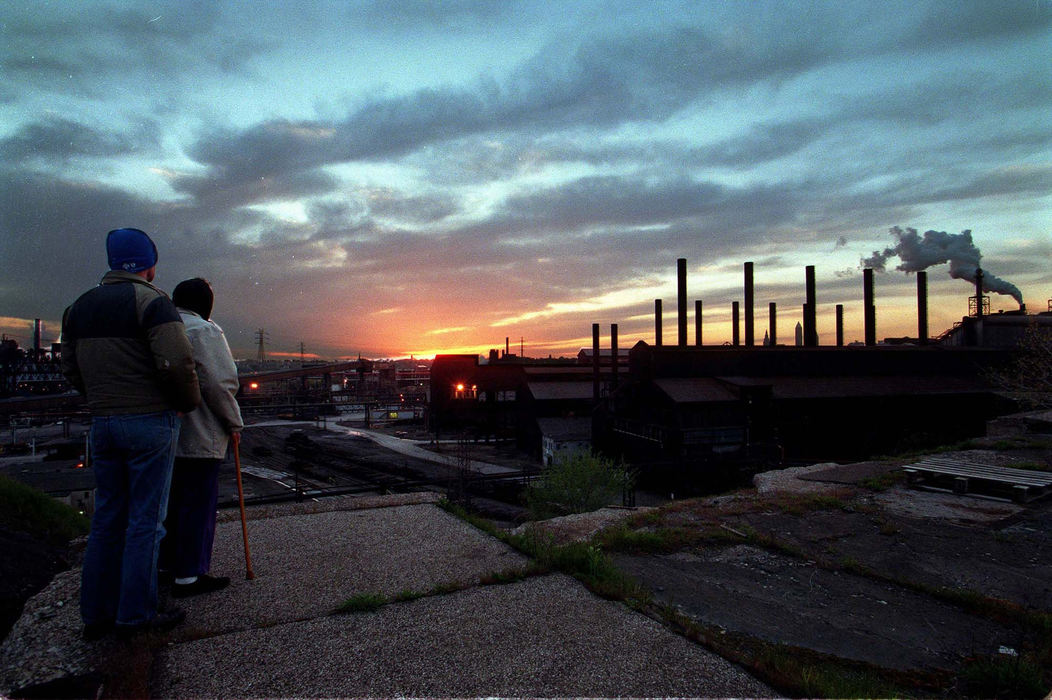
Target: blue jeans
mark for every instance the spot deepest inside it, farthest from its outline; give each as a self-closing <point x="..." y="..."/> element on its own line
<point x="132" y="457"/>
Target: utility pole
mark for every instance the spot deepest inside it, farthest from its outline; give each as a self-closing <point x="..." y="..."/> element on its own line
<point x="261" y="337"/>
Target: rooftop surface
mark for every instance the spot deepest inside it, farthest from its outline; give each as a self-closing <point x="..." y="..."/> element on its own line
<point x="278" y="634"/>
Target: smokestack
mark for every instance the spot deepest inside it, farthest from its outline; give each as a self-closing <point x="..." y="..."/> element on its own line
<point x="868" y="308"/>
<point x="735" y="340"/>
<point x="918" y="252"/>
<point x="772" y="312"/>
<point x="657" y="322"/>
<point x="681" y="300"/>
<point x="840" y="325"/>
<point x="748" y="305"/>
<point x="978" y="292"/>
<point x="507" y="346"/>
<point x="697" y="322"/>
<point x="810" y="319"/>
<point x="595" y="363"/>
<point x="36" y="336"/>
<point x="613" y="356"/>
<point x="922" y="307"/>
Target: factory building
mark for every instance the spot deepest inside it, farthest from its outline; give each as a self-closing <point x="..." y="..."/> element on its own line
<point x="692" y="415"/>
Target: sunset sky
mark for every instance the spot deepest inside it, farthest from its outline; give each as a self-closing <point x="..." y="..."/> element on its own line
<point x="410" y="177"/>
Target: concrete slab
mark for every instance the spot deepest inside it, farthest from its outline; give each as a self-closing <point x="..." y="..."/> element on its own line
<point x="788" y="600"/>
<point x="276" y="635"/>
<point x="307" y="564"/>
<point x="545" y="636"/>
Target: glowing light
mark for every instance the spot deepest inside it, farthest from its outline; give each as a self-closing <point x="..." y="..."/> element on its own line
<point x="253" y="385"/>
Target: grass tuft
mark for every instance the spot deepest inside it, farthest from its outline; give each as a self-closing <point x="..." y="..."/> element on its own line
<point x="28" y="510"/>
<point x="407" y="595"/>
<point x="1004" y="676"/>
<point x="361" y="603"/>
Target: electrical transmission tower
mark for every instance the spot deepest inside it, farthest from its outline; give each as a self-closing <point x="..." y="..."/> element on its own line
<point x="261" y="338"/>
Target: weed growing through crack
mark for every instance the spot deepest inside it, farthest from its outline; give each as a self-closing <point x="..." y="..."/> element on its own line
<point x="885" y="481"/>
<point x="661" y="540"/>
<point x="362" y="602"/>
<point x="820" y="679"/>
<point x="586" y="562"/>
<point x="407" y="595"/>
<point x="1004" y="676"/>
<point x="506" y="576"/>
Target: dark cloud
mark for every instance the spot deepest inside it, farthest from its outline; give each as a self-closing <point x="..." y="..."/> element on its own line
<point x="607" y="172"/>
<point x="419" y="209"/>
<point x="1016" y="180"/>
<point x="53" y="229"/>
<point x="85" y="51"/>
<point x="977" y="20"/>
<point x="764" y="142"/>
<point x="276" y="185"/>
<point x="58" y="139"/>
<point x="457" y="15"/>
<point x="600" y="83"/>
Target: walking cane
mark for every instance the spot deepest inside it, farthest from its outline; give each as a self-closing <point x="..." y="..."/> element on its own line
<point x="241" y="500"/>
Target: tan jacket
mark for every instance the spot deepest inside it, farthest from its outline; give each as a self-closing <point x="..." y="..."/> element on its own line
<point x="206" y="430"/>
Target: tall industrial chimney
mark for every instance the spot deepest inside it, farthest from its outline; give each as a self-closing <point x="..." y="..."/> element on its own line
<point x="869" y="310"/>
<point x="697" y="322"/>
<point x="681" y="300"/>
<point x="735" y="337"/>
<point x="749" y="300"/>
<point x="36" y="336"/>
<point x="978" y="292"/>
<point x="810" y="315"/>
<point x="595" y="363"/>
<point x="840" y="325"/>
<point x="772" y="313"/>
<point x="922" y="307"/>
<point x="657" y="322"/>
<point x="613" y="356"/>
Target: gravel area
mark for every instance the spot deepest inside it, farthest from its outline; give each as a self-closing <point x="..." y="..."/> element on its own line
<point x="579" y="527"/>
<point x="545" y="636"/>
<point x="305" y="565"/>
<point x="789" y="480"/>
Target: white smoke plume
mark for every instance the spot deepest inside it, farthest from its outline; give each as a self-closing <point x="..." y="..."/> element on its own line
<point x="918" y="252"/>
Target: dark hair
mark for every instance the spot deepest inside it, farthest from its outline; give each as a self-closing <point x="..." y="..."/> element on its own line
<point x="194" y="295"/>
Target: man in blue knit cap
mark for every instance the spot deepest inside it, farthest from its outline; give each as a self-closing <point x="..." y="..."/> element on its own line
<point x="124" y="348"/>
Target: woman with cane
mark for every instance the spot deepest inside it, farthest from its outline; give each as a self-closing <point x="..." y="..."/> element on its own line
<point x="186" y="552"/>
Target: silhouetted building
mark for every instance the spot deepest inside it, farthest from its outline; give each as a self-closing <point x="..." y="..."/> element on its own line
<point x="692" y="415"/>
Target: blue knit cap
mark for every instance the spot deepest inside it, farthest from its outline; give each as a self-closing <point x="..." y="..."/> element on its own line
<point x="131" y="250"/>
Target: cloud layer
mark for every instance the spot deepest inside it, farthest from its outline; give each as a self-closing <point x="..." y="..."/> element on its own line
<point x="366" y="178"/>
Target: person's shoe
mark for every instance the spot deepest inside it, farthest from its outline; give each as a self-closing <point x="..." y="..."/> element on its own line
<point x="163" y="621"/>
<point x="203" y="584"/>
<point x="97" y="630"/>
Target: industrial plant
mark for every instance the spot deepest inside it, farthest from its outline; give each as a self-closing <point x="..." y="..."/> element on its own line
<point x="689" y="416"/>
<point x="684" y="416"/>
